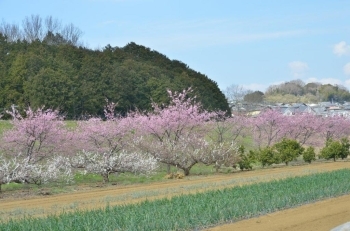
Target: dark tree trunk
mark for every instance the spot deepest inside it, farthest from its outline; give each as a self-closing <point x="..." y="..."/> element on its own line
<point x="168" y="168"/>
<point x="105" y="177"/>
<point x="186" y="171"/>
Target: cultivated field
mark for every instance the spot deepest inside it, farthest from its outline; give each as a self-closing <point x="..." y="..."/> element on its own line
<point x="319" y="216"/>
<point x="310" y="217"/>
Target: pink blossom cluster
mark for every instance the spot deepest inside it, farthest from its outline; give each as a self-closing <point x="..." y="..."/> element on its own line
<point x="271" y="127"/>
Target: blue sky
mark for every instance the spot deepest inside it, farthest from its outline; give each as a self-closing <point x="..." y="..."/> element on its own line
<point x="250" y="43"/>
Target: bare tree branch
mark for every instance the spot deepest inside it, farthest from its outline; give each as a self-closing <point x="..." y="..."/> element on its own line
<point x="71" y="34"/>
<point x="11" y="31"/>
<point x="52" y="25"/>
<point x="33" y="28"/>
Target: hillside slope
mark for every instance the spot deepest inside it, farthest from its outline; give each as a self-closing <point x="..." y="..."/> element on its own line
<point x="77" y="80"/>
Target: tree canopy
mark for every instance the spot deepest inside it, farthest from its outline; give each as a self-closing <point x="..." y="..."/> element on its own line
<point x="56" y="72"/>
<point x="297" y="91"/>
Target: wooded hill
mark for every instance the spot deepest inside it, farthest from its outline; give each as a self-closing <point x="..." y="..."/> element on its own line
<point x="77" y="80"/>
<point x="297" y="91"/>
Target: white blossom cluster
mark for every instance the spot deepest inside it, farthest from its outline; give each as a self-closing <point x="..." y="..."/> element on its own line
<point x="109" y="163"/>
<point x="20" y="170"/>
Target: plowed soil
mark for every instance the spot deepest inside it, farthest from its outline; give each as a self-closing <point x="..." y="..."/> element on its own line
<point x="331" y="212"/>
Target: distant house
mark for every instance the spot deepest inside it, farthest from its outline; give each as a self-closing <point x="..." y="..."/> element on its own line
<point x="321" y="111"/>
<point x="325" y="104"/>
<point x="295" y="108"/>
<point x="334" y="108"/>
<point x="253" y="113"/>
<point x="288" y="111"/>
<point x="324" y="109"/>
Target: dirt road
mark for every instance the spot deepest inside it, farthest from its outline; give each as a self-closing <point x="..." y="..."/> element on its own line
<point x="320" y="216"/>
<point x="112" y="195"/>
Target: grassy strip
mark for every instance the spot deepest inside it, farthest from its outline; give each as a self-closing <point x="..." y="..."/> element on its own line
<point x="199" y="210"/>
<point x="120" y="179"/>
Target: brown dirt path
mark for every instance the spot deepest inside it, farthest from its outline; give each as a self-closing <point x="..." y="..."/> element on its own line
<point x="319" y="216"/>
<point x="91" y="199"/>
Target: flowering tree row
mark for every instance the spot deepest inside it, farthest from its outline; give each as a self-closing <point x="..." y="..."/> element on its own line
<point x="271" y="127"/>
<point x="39" y="148"/>
<point x="176" y="134"/>
<point x="172" y="134"/>
<point x="30" y="150"/>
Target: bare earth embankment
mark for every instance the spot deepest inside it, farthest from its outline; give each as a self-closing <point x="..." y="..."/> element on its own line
<point x="318" y="216"/>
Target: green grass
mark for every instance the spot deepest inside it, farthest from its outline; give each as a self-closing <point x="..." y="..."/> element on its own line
<point x="188" y="212"/>
<point x="87" y="180"/>
<point x="71" y="124"/>
<point x="120" y="179"/>
<point x="129" y="178"/>
<point x="4" y="125"/>
<point x="13" y="186"/>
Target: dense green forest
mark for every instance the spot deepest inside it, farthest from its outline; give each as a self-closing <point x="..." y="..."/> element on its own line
<point x="76" y="80"/>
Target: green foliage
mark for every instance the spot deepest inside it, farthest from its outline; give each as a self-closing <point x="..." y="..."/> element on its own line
<point x="4" y="125"/>
<point x="254" y="97"/>
<point x="346" y="145"/>
<point x="266" y="156"/>
<point x="334" y="93"/>
<point x="296" y="91"/>
<point x="77" y="80"/>
<point x="246" y="160"/>
<point x="193" y="212"/>
<point x="309" y="155"/>
<point x="284" y="151"/>
<point x="336" y="149"/>
<point x="288" y="150"/>
<point x="332" y="150"/>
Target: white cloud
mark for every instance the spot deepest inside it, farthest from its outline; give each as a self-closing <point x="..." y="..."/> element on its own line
<point x="298" y="68"/>
<point x="346" y="69"/>
<point x="341" y="48"/>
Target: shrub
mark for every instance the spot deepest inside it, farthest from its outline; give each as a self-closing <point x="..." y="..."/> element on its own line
<point x="266" y="156"/>
<point x="246" y="160"/>
<point x="288" y="150"/>
<point x="336" y="149"/>
<point x="309" y="155"/>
